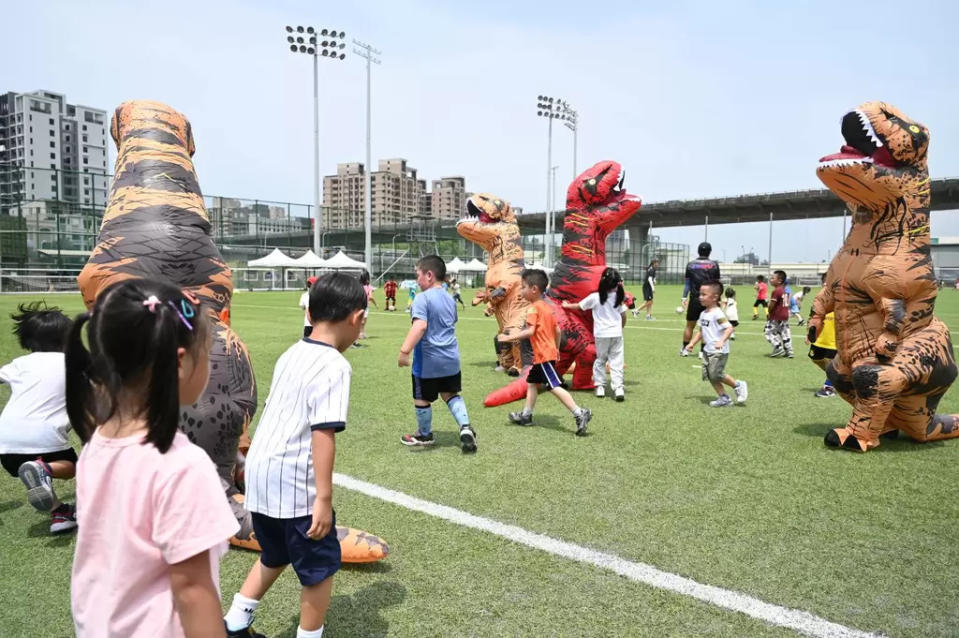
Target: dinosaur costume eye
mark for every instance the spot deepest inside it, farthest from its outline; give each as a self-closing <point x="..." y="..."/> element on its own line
<point x="913" y="128"/>
<point x="592" y="182"/>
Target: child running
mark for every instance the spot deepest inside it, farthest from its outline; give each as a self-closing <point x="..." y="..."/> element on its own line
<point x="289" y="470"/>
<point x="822" y="351"/>
<point x="731" y="310"/>
<point x="777" y="326"/>
<point x="761" y="293"/>
<point x="389" y="289"/>
<point x="455" y="285"/>
<point x="609" y="317"/>
<point x="153" y="517"/>
<point x="34" y="425"/>
<point x="715" y="331"/>
<point x="795" y="304"/>
<point x="544" y="336"/>
<point x="436" y="356"/>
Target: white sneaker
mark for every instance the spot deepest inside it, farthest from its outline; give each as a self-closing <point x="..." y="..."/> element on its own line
<point x="742" y="391"/>
<point x="683" y="352"/>
<point x="600" y="391"/>
<point x="722" y="402"/>
<point x="499" y="369"/>
<point x="619" y="394"/>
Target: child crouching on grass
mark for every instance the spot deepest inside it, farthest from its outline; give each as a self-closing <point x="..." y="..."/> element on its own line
<point x="34" y="424"/>
<point x="289" y="470"/>
<point x="715" y="331"/>
<point x="544" y="336"/>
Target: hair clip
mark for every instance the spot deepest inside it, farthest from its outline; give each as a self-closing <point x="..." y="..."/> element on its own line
<point x="180" y="314"/>
<point x="151" y="302"/>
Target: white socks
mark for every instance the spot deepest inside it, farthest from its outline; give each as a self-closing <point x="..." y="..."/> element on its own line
<point x="303" y="633"/>
<point x="241" y="611"/>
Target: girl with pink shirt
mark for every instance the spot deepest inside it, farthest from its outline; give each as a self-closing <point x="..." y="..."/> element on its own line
<point x="153" y="519"/>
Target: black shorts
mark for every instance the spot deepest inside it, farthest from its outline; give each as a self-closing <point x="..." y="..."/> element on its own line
<point x="734" y="323"/>
<point x="283" y="541"/>
<point x="647" y="293"/>
<point x="12" y="462"/>
<point x="391" y="298"/>
<point x="430" y="389"/>
<point x="545" y="374"/>
<point x="694" y="309"/>
<point x="816" y="353"/>
<point x="760" y="302"/>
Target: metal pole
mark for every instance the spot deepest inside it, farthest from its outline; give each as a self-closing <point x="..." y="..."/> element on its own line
<point x="316" y="156"/>
<point x="549" y="196"/>
<point x="368" y="217"/>
<point x="770" y="240"/>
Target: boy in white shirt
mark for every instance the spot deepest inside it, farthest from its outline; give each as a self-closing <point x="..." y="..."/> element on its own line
<point x="34" y="426"/>
<point x="715" y="331"/>
<point x="731" y="310"/>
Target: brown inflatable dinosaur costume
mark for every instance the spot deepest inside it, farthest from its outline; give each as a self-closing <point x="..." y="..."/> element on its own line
<point x="491" y="224"/>
<point x="895" y="359"/>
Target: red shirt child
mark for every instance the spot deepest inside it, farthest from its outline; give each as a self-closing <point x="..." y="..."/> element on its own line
<point x="778" y="309"/>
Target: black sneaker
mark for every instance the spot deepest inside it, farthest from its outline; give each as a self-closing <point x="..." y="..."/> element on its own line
<point x="582" y="420"/>
<point x="467" y="439"/>
<point x="414" y="440"/>
<point x="246" y="632"/>
<point x="521" y="418"/>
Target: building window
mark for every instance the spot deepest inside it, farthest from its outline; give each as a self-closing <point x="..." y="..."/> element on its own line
<point x="84" y="127"/>
<point x="84" y="137"/>
<point x="51" y="121"/>
<point x="53" y="156"/>
<point x="53" y="144"/>
<point x="85" y="161"/>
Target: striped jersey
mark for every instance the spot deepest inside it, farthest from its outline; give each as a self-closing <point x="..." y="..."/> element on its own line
<point x="310" y="391"/>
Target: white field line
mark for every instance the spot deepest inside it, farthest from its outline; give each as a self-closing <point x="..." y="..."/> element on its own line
<point x="800" y="621"/>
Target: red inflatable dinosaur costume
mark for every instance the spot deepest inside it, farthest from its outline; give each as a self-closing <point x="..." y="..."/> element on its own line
<point x="894" y="359"/>
<point x="596" y="205"/>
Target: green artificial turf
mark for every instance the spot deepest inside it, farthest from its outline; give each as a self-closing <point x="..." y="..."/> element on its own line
<point x="745" y="498"/>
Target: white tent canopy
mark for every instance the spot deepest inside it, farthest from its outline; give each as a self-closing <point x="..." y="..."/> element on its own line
<point x="276" y="259"/>
<point x="455" y="265"/>
<point x="474" y="265"/>
<point x="340" y="261"/>
<point x="309" y="259"/>
<point x="538" y="266"/>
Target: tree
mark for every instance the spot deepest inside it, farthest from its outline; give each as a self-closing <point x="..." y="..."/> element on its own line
<point x="747" y="258"/>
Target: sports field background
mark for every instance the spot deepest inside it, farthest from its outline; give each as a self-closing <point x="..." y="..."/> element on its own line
<point x="745" y="498"/>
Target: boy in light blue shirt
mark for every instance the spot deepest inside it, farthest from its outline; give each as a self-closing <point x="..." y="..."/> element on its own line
<point x="436" y="357"/>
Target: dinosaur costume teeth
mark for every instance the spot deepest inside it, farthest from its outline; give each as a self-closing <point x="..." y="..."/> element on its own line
<point x="894" y="358"/>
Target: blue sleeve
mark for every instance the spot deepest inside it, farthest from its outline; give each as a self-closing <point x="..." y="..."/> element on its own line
<point x="686" y="289"/>
<point x="420" y="308"/>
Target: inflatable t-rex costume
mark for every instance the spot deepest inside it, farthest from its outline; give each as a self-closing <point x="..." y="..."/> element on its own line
<point x="894" y="358"/>
<point x="596" y="205"/>
<point x="156" y="227"/>
<point x="490" y="223"/>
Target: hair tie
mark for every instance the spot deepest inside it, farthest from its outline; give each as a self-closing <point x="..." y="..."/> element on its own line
<point x="152" y="302"/>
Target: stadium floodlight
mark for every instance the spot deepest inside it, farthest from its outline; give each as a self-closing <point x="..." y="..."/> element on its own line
<point x="367" y="52"/>
<point x="311" y="46"/>
<point x="550" y="108"/>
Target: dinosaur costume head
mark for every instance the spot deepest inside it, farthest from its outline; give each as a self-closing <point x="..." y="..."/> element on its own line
<point x="487" y="217"/>
<point x="882" y="163"/>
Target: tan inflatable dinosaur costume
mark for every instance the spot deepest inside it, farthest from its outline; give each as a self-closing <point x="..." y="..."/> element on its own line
<point x="490" y="223"/>
<point x="895" y="359"/>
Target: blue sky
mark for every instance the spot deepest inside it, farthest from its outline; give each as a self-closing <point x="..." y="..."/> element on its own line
<point x="695" y="99"/>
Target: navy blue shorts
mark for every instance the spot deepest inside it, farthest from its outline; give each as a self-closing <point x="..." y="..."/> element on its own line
<point x="544" y="373"/>
<point x="283" y="541"/>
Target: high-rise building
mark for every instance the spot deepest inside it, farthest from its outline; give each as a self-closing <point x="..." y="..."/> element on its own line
<point x="448" y="200"/>
<point x="396" y="192"/>
<point x="51" y="150"/>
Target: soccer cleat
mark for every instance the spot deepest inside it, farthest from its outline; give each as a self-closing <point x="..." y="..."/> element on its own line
<point x="582" y="421"/>
<point x="467" y="439"/>
<point x="521" y="418"/>
<point x="63" y="519"/>
<point x="600" y="392"/>
<point x="721" y="402"/>
<point x="37" y="478"/>
<point x="636" y="314"/>
<point x="415" y="440"/>
<point x="826" y="391"/>
<point x="777" y="352"/>
<point x="801" y="322"/>
<point x="683" y="352"/>
<point x="742" y="391"/>
<point x="789" y="355"/>
<point x="246" y="632"/>
<point x="619" y="394"/>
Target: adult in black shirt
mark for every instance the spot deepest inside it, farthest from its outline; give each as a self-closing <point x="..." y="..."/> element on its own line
<point x="649" y="287"/>
<point x="698" y="272"/>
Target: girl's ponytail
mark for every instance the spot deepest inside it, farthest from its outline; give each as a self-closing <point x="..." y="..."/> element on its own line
<point x="163" y="397"/>
<point x="79" y="381"/>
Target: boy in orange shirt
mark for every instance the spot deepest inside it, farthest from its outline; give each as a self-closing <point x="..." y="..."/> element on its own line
<point x="544" y="335"/>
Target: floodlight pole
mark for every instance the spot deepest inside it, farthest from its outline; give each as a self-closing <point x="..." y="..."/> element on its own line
<point x="547" y="255"/>
<point x="367" y="51"/>
<point x="318" y="214"/>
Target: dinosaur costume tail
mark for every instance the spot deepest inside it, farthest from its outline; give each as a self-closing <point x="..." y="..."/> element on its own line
<point x="515" y="391"/>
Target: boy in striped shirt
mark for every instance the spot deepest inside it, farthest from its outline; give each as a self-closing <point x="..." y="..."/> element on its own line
<point x="289" y="470"/>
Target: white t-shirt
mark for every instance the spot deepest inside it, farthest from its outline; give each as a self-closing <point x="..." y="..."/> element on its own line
<point x="310" y="391"/>
<point x="713" y="324"/>
<point x="305" y="305"/>
<point x="732" y="310"/>
<point x="607" y="317"/>
<point x="35" y="419"/>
